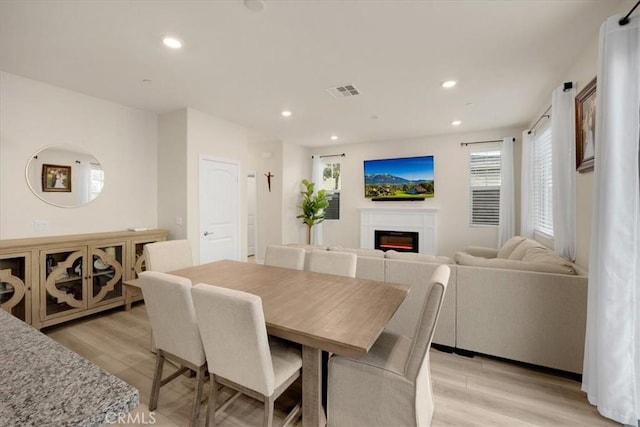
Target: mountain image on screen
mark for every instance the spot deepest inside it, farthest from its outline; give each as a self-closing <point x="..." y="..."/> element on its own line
<point x="407" y="178"/>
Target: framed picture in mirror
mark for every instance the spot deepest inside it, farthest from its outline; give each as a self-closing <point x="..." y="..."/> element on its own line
<point x="586" y="127"/>
<point x="56" y="178"/>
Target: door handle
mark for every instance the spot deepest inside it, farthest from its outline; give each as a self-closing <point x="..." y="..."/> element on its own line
<point x="206" y="233"/>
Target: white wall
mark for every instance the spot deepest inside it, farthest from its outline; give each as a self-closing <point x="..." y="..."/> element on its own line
<point x="123" y="139"/>
<point x="296" y="165"/>
<point x="215" y="137"/>
<point x="264" y="158"/>
<point x="451" y="167"/>
<point x="172" y="173"/>
<point x="184" y="136"/>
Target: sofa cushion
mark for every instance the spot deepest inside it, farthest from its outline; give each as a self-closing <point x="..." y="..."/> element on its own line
<point x="374" y="253"/>
<point x="511" y="264"/>
<point x="539" y="255"/>
<point x="481" y="251"/>
<point x="411" y="256"/>
<point x="523" y="247"/>
<point x="509" y="246"/>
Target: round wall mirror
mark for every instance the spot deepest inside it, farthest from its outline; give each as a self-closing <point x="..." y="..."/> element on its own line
<point x="65" y="176"/>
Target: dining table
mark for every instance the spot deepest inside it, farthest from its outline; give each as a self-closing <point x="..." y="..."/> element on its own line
<point x="322" y="312"/>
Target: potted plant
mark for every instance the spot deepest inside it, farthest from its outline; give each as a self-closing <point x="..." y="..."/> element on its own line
<point x="313" y="206"/>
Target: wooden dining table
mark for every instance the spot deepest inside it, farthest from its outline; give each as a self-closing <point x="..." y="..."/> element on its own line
<point x="326" y="312"/>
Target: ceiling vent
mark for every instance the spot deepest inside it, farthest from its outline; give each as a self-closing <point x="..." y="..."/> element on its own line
<point x="343" y="91"/>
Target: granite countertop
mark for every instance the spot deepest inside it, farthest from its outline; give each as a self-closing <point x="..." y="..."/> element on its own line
<point x="43" y="383"/>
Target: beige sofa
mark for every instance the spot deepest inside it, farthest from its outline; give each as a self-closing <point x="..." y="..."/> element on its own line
<point x="407" y="269"/>
<point x="522" y="303"/>
<point x="530" y="309"/>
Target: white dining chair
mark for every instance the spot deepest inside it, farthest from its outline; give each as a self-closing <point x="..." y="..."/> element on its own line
<point x="173" y="321"/>
<point x="330" y="262"/>
<point x="239" y="354"/>
<point x="168" y="255"/>
<point x="391" y="385"/>
<point x="285" y="257"/>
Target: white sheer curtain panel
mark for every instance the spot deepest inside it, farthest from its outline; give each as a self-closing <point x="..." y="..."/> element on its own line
<point x="316" y="177"/>
<point x="563" y="171"/>
<point x="82" y="182"/>
<point x="507" y="225"/>
<point x="526" y="185"/>
<point x="611" y="375"/>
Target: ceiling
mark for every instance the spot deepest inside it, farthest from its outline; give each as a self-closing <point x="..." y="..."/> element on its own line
<point x="247" y="66"/>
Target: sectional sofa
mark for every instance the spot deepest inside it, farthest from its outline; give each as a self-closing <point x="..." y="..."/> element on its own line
<point x="529" y="308"/>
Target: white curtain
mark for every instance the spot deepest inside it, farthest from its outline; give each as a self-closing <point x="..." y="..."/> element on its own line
<point x="563" y="171"/>
<point x="316" y="177"/>
<point x="82" y="182"/>
<point x="526" y="186"/>
<point x="611" y="375"/>
<point x="507" y="226"/>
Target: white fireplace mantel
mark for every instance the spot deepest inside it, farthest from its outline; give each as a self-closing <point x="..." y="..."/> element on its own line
<point x="421" y="220"/>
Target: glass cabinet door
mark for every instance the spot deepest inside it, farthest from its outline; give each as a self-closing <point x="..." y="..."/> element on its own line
<point x="63" y="274"/>
<point x="139" y="262"/>
<point x="106" y="273"/>
<point x="15" y="285"/>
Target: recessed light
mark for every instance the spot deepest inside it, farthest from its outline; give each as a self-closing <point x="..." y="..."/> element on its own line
<point x="286" y="113"/>
<point x="171" y="42"/>
<point x="334" y="137"/>
<point x="449" y="84"/>
<point x="456" y="122"/>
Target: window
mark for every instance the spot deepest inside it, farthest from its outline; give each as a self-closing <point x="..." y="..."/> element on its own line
<point x="97" y="181"/>
<point x="485" y="187"/>
<point x="331" y="182"/>
<point x="542" y="184"/>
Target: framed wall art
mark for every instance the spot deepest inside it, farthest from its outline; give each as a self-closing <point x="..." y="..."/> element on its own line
<point x="56" y="178"/>
<point x="586" y="127"/>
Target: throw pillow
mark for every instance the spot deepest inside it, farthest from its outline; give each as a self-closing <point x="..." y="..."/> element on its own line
<point x="510" y="264"/>
<point x="509" y="246"/>
<point x="545" y="256"/>
<point x="522" y="248"/>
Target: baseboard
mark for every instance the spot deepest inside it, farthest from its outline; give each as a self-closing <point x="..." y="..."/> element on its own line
<point x="557" y="372"/>
<point x="443" y="348"/>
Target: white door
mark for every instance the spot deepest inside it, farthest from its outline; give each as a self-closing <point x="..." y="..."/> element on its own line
<point x="252" y="209"/>
<point x="219" y="210"/>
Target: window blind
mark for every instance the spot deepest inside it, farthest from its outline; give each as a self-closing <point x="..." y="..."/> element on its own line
<point x="485" y="182"/>
<point x="331" y="182"/>
<point x="543" y="184"/>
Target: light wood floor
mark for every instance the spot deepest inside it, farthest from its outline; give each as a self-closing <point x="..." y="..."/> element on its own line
<point x="468" y="391"/>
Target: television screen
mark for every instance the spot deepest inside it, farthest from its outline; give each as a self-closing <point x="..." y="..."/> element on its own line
<point x="407" y="178"/>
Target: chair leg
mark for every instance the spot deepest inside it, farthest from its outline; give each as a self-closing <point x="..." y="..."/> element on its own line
<point x="157" y="380"/>
<point x="195" y="411"/>
<point x="211" y="405"/>
<point x="268" y="411"/>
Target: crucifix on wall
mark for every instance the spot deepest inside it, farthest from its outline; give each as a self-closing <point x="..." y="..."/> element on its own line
<point x="269" y="176"/>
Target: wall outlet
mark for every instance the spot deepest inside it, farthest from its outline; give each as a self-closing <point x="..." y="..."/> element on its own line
<point x="179" y="220"/>
<point x="41" y="225"/>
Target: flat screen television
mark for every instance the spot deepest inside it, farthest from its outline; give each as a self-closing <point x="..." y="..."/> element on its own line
<point x="399" y="179"/>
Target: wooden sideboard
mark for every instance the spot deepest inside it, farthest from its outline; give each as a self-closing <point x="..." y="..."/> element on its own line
<point x="49" y="280"/>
